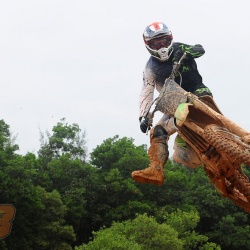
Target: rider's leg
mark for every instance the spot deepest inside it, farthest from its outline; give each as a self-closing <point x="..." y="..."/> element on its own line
<point x="157" y="153"/>
<point x="184" y="154"/>
<point x="158" y="156"/>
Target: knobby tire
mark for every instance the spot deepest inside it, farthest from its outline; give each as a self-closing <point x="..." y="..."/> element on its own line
<point x="230" y="146"/>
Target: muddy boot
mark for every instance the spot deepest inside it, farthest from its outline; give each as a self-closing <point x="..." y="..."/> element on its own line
<point x="158" y="156"/>
<point x="184" y="154"/>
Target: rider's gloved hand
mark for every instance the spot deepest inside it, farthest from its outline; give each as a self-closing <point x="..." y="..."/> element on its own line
<point x="144" y="124"/>
<point x="177" y="56"/>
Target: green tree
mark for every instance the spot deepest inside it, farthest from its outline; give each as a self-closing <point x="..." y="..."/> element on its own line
<point x="185" y="224"/>
<point x="174" y="189"/>
<point x="122" y="197"/>
<point x="81" y="188"/>
<point x="115" y="159"/>
<point x="85" y="196"/>
<point x="141" y="233"/>
<point x="65" y="138"/>
<point x="144" y="232"/>
<point x="39" y="221"/>
<point x="50" y="223"/>
<point x="119" y="153"/>
<point x="7" y="144"/>
<point x="63" y="171"/>
<point x="232" y="231"/>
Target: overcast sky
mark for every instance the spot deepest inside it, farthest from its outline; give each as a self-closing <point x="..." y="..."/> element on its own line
<point x="83" y="61"/>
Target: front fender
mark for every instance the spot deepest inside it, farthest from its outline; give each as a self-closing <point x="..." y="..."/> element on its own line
<point x="181" y="113"/>
<point x="170" y="97"/>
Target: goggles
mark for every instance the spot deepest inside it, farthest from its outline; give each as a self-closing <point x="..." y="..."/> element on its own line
<point x="160" y="42"/>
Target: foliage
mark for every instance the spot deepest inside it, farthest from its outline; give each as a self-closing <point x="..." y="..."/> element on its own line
<point x="144" y="232"/>
<point x="61" y="199"/>
<point x="119" y="153"/>
<point x="37" y="212"/>
<point x="66" y="138"/>
<point x="185" y="223"/>
<point x="236" y="228"/>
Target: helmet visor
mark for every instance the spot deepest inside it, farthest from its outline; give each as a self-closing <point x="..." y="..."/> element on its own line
<point x="160" y="42"/>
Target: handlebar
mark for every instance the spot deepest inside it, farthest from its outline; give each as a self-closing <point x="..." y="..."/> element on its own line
<point x="176" y="67"/>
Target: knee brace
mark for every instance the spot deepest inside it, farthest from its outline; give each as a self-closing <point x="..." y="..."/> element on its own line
<point x="159" y="131"/>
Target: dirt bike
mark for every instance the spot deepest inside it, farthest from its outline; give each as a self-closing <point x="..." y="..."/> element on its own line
<point x="221" y="145"/>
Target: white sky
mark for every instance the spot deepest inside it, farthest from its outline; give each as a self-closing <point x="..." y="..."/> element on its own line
<point x="83" y="60"/>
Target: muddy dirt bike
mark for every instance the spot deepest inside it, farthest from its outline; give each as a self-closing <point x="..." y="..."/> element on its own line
<point x="221" y="145"/>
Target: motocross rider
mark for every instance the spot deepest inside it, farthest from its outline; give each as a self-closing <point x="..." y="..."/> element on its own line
<point x="165" y="53"/>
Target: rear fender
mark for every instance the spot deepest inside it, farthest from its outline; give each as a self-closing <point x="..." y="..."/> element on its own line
<point x="181" y="113"/>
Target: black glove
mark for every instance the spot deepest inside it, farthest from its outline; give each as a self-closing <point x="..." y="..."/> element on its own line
<point x="144" y="124"/>
<point x="177" y="55"/>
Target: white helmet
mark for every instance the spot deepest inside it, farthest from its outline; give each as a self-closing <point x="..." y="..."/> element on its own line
<point x="158" y="40"/>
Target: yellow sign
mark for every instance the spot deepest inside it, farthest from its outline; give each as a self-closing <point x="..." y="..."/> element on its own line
<point x="7" y="215"/>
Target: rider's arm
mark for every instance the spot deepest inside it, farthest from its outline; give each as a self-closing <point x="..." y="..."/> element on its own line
<point x="193" y="51"/>
<point x="147" y="93"/>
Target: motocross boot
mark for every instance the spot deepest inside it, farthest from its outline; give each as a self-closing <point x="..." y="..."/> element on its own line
<point x="184" y="154"/>
<point x="158" y="156"/>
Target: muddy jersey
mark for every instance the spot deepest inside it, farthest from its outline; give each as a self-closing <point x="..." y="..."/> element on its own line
<point x="156" y="72"/>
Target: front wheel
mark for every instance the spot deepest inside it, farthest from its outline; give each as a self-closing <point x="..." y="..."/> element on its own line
<point x="228" y="144"/>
